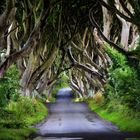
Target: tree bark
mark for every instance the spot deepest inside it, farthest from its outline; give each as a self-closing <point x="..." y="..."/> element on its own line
<point x="107" y="21"/>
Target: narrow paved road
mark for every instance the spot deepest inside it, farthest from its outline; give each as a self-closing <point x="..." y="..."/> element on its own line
<point x="68" y="120"/>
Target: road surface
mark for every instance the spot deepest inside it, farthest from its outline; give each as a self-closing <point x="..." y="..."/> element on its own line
<point x="74" y="121"/>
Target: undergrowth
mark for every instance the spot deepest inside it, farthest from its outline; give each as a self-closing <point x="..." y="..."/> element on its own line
<point x="17" y="113"/>
<point x="121" y="96"/>
<point x="18" y="117"/>
<point x="16" y="134"/>
<point x="125" y="118"/>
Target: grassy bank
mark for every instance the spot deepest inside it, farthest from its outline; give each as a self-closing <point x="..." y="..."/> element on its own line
<point x="15" y="134"/>
<point x="18" y="117"/>
<point x="123" y="120"/>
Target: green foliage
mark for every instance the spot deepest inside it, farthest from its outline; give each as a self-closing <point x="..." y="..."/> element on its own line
<point x="22" y="113"/>
<point x="15" y="134"/>
<point x="123" y="83"/>
<point x="9" y="86"/>
<point x="136" y="51"/>
<point x="117" y="58"/>
<point x="61" y="83"/>
<point x="124" y="120"/>
<point x="17" y="112"/>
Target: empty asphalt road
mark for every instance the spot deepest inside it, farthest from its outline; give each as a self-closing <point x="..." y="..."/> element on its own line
<point x="71" y="121"/>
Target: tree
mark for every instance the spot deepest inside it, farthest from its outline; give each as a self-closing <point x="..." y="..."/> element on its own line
<point x="45" y="38"/>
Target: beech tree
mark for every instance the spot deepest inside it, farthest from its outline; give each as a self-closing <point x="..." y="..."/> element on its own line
<point x="45" y="38"/>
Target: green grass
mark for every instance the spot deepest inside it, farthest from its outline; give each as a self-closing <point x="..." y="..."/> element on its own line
<point x="123" y="121"/>
<point x="40" y="114"/>
<point x="16" y="122"/>
<point x="15" y="134"/>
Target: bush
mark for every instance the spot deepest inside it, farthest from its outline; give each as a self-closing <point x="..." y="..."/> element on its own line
<point x="123" y="82"/>
<point x="22" y="113"/>
<point x="123" y="117"/>
<point x="12" y="124"/>
<point x="9" y="86"/>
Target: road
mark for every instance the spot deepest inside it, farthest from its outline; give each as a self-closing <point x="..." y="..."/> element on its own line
<point x="71" y="121"/>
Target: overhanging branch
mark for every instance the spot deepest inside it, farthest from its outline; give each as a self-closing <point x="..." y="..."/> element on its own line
<point x="94" y="23"/>
<point x="85" y="68"/>
<point x="114" y="9"/>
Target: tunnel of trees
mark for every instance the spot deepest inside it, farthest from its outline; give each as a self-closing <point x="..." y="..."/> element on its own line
<point x="94" y="45"/>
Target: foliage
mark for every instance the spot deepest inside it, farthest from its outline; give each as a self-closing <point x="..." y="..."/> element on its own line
<point x="61" y="83"/>
<point x="9" y="86"/>
<point x="15" y="134"/>
<point x="22" y="113"/>
<point x="120" y="117"/>
<point x="17" y="112"/>
<point x="136" y="51"/>
<point x="123" y="83"/>
<point x="117" y="58"/>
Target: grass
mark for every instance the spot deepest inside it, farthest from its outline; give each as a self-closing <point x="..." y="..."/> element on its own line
<point x="40" y="114"/>
<point x="123" y="121"/>
<point x="15" y="134"/>
<point x="18" y="124"/>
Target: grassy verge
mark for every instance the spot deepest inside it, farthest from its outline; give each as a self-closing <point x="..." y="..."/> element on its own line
<point x="15" y="134"/>
<point x="18" y="117"/>
<point x="40" y="113"/>
<point x="123" y="121"/>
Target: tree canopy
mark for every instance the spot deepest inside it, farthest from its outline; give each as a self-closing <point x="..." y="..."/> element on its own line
<point x="93" y="41"/>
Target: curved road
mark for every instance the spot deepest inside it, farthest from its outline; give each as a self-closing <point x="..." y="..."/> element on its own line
<point x="72" y="121"/>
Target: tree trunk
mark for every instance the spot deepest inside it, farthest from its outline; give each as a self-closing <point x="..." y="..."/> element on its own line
<point x="107" y="21"/>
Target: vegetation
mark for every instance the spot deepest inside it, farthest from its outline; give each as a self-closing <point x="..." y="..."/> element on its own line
<point x="62" y="82"/>
<point x="93" y="46"/>
<point x="17" y="112"/>
<point x="15" y="134"/>
<point x="122" y="94"/>
<point x="16" y="119"/>
<point x="9" y="86"/>
<point x="120" y="115"/>
<point x="123" y="82"/>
